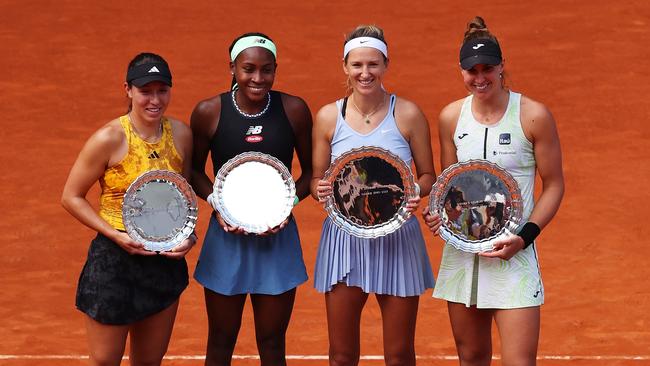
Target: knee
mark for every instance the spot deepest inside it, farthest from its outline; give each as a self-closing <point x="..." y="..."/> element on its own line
<point x="343" y="358"/>
<point x="405" y="358"/>
<point x="271" y="347"/>
<point x="474" y="357"/>
<point x="106" y="358"/>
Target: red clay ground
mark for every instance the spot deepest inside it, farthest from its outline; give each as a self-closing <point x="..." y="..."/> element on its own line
<point x="62" y="68"/>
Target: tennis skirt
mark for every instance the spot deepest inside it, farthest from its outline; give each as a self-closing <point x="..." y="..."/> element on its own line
<point x="118" y="288"/>
<point x="232" y="264"/>
<point x="396" y="264"/>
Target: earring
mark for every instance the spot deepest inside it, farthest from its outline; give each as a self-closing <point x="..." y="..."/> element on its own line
<point x="500" y="75"/>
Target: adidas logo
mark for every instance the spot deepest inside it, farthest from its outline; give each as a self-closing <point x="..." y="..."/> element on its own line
<point x="153" y="69"/>
<point x="154" y="155"/>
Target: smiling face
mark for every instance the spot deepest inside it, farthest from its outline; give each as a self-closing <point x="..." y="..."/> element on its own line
<point x="254" y="72"/>
<point x="483" y="80"/>
<point x="149" y="102"/>
<point x="365" y="68"/>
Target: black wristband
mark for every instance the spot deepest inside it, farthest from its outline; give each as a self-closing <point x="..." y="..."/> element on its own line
<point x="529" y="232"/>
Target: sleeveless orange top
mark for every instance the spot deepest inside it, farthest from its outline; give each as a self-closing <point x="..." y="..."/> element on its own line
<point x="142" y="157"/>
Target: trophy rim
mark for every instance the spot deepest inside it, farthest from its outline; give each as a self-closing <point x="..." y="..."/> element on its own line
<point x="439" y="190"/>
<point x="182" y="188"/>
<point x="259" y="157"/>
<point x="400" y="216"/>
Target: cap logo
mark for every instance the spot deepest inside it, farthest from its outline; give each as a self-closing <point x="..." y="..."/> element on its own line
<point x="153" y="69"/>
<point x="260" y="40"/>
<point x="478" y="46"/>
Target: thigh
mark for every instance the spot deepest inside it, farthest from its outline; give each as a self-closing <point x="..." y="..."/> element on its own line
<point x="399" y="315"/>
<point x="224" y="313"/>
<point x="472" y="333"/>
<point x="150" y="337"/>
<point x="272" y="313"/>
<point x="344" y="305"/>
<point x="519" y="332"/>
<point x="106" y="342"/>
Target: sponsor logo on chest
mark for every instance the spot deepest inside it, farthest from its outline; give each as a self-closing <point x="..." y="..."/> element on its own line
<point x="254" y="134"/>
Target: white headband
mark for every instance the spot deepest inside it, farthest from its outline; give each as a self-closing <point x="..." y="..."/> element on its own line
<point x="365" y="42"/>
<point x="252" y="41"/>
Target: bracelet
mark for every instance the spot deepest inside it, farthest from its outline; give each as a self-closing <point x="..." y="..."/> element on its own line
<point x="529" y="232"/>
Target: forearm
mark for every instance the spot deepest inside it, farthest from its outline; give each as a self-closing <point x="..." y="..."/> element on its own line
<point x="547" y="205"/>
<point x="303" y="184"/>
<point x="201" y="184"/>
<point x="81" y="209"/>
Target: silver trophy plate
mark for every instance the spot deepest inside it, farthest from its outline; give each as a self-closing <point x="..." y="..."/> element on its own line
<point x="159" y="210"/>
<point x="254" y="191"/>
<point x="371" y="187"/>
<point x="478" y="202"/>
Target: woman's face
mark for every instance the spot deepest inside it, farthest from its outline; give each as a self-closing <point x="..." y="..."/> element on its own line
<point x="365" y="68"/>
<point x="483" y="80"/>
<point x="254" y="72"/>
<point x="149" y="102"/>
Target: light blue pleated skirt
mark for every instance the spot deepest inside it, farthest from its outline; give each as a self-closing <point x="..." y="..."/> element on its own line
<point x="232" y="264"/>
<point x="396" y="264"/>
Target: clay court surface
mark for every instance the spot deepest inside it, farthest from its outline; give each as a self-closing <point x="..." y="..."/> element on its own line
<point x="62" y="65"/>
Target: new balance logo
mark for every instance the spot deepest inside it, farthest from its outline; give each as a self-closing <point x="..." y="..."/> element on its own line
<point x="478" y="46"/>
<point x="460" y="137"/>
<point x="153" y="69"/>
<point x="154" y="155"/>
<point x="254" y="130"/>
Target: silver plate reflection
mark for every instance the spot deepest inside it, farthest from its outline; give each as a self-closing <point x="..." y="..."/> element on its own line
<point x="254" y="191"/>
<point x="479" y="202"/>
<point x="371" y="187"/>
<point x="159" y="210"/>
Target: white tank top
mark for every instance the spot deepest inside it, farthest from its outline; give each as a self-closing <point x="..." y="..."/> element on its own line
<point x="502" y="143"/>
<point x="386" y="135"/>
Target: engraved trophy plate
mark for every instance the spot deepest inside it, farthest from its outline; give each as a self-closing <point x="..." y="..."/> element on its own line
<point x="159" y="210"/>
<point x="254" y="191"/>
<point x="371" y="187"/>
<point x="478" y="202"/>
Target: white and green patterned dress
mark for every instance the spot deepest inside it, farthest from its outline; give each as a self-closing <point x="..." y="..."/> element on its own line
<point x="494" y="283"/>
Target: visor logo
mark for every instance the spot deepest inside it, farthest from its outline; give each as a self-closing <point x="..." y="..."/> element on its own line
<point x="154" y="69"/>
<point x="478" y="46"/>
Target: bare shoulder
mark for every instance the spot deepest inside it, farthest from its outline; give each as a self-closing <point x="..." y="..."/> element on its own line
<point x="451" y="112"/>
<point x="292" y="102"/>
<point x="536" y="118"/>
<point x="532" y="109"/>
<point x="327" y="114"/>
<point x="109" y="136"/>
<point x="406" y="109"/>
<point x="180" y="129"/>
<point x="210" y="107"/>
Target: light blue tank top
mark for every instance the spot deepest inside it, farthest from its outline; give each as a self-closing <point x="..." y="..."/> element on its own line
<point x="386" y="135"/>
<point x="502" y="143"/>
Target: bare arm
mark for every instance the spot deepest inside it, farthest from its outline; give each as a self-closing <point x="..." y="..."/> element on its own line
<point x="539" y="125"/>
<point x="322" y="133"/>
<point x="447" y="121"/>
<point x="414" y="125"/>
<point x="300" y="118"/>
<point x="104" y="146"/>
<point x="203" y="122"/>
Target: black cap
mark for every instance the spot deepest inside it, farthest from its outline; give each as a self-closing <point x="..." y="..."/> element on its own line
<point x="152" y="71"/>
<point x="479" y="51"/>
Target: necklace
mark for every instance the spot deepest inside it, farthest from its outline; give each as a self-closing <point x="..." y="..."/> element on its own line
<point x="367" y="116"/>
<point x="255" y="115"/>
<point x="157" y="137"/>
